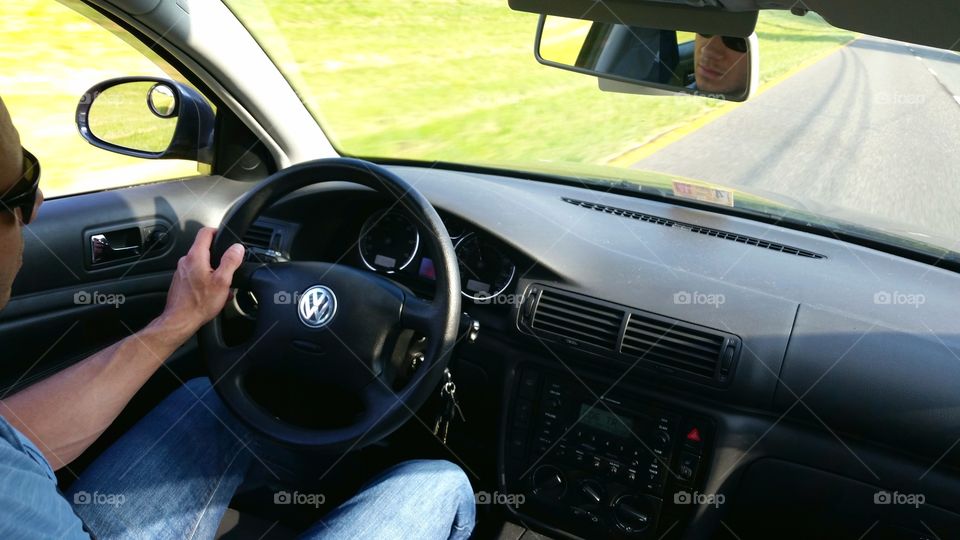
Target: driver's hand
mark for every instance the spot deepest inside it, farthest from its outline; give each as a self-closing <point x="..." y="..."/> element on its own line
<point x="198" y="292"/>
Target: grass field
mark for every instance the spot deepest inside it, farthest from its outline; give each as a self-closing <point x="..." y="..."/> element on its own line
<point x="451" y="80"/>
<point x="457" y="80"/>
<point x="50" y="56"/>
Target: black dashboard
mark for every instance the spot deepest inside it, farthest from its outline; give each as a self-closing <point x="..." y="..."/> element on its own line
<point x="792" y="354"/>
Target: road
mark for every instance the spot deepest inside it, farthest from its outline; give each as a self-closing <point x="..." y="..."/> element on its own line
<point x="874" y="127"/>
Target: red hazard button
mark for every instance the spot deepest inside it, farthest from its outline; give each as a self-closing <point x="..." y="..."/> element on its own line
<point x="694" y="435"/>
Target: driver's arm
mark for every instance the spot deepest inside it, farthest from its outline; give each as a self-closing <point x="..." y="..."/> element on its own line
<point x="66" y="412"/>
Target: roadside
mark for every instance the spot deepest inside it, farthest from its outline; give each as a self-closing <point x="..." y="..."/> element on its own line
<point x="868" y="132"/>
<point x="665" y="139"/>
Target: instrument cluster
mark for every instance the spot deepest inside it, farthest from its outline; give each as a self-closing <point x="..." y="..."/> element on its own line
<point x="389" y="243"/>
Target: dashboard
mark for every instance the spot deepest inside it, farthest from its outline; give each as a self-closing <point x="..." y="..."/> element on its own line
<point x="783" y="348"/>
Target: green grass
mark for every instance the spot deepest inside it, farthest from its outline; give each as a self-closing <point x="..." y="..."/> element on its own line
<point x="51" y="55"/>
<point x="451" y="80"/>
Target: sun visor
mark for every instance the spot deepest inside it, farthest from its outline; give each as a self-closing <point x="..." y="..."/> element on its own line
<point x="935" y="23"/>
<point x="703" y="16"/>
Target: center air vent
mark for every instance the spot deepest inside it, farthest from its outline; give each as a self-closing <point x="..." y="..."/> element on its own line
<point x="630" y="336"/>
<point x="706" y="231"/>
<point x="668" y="344"/>
<point x="577" y="322"/>
<point x="258" y="236"/>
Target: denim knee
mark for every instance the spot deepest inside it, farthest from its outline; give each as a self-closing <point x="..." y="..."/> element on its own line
<point x="448" y="479"/>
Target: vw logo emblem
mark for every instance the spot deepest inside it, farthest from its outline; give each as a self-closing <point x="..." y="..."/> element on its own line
<point x="317" y="306"/>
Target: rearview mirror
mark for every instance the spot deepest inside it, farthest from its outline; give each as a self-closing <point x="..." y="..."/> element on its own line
<point x="147" y="117"/>
<point x="650" y="60"/>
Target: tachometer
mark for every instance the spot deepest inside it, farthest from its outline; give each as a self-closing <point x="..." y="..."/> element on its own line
<point x="388" y="241"/>
<point x="485" y="272"/>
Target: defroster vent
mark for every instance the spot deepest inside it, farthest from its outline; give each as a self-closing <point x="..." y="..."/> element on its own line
<point x="706" y="231"/>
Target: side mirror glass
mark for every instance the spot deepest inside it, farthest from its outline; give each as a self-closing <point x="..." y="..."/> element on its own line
<point x="162" y="101"/>
<point x="148" y="118"/>
<point x="664" y="61"/>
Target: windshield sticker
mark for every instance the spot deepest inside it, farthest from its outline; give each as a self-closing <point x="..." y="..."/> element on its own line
<point x="705" y="194"/>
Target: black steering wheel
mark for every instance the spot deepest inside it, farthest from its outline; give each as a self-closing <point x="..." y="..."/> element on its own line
<point x="342" y="320"/>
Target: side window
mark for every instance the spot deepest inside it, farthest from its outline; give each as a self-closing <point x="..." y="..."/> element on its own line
<point x="51" y="55"/>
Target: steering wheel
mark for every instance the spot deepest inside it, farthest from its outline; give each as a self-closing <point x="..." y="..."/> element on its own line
<point x="342" y="321"/>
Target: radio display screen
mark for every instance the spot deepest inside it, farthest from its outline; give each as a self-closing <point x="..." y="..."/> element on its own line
<point x="606" y="421"/>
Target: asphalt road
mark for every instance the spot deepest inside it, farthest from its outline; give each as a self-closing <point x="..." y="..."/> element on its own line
<point x="874" y="127"/>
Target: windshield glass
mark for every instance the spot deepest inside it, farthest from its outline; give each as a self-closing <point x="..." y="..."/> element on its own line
<point x="846" y="132"/>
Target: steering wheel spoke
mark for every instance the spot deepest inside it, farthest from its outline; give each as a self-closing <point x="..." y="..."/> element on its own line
<point x="418" y="314"/>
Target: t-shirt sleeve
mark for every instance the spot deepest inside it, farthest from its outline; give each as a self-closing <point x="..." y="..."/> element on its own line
<point x="30" y="505"/>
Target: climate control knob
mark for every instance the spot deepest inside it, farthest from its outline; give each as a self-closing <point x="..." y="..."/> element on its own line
<point x="592" y="491"/>
<point x="548" y="482"/>
<point x="634" y="513"/>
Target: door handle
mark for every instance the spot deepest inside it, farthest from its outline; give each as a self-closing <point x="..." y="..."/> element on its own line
<point x="121" y="244"/>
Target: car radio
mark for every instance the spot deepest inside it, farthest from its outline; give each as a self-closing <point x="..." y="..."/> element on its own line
<point x="616" y="467"/>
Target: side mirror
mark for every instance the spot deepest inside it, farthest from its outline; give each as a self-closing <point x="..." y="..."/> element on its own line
<point x="147" y="117"/>
<point x="663" y="61"/>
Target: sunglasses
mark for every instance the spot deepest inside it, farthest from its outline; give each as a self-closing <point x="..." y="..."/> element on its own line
<point x="738" y="44"/>
<point x="23" y="194"/>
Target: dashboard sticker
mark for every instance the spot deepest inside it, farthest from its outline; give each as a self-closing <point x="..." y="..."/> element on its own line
<point x="705" y="194"/>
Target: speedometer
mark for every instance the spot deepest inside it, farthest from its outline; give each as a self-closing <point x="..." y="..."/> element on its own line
<point x="485" y="272"/>
<point x="388" y="241"/>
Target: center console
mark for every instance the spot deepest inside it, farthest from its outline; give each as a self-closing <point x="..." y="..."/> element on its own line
<point x="618" y="467"/>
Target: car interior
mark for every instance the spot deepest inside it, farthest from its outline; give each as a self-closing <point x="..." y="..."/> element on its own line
<point x="627" y="363"/>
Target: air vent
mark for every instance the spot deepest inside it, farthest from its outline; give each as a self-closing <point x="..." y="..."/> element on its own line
<point x="630" y="336"/>
<point x="723" y="235"/>
<point x="576" y="321"/>
<point x="258" y="236"/>
<point x="668" y="344"/>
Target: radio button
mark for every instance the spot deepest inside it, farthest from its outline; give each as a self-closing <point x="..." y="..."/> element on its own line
<point x="516" y="443"/>
<point x="655" y="487"/>
<point x="553" y="404"/>
<point x="689" y="463"/>
<point x="560" y="451"/>
<point x="586" y="515"/>
<point x="661" y="439"/>
<point x="554" y="387"/>
<point x="523" y="413"/>
<point x="528" y="384"/>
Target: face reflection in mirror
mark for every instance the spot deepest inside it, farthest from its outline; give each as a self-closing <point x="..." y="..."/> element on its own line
<point x="720" y="69"/>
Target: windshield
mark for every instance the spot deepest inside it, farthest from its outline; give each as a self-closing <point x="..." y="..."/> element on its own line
<point x="847" y="132"/>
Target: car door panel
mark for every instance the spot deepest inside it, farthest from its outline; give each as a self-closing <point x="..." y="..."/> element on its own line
<point x="62" y="309"/>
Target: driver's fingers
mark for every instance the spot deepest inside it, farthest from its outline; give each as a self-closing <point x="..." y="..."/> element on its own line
<point x="200" y="250"/>
<point x="229" y="263"/>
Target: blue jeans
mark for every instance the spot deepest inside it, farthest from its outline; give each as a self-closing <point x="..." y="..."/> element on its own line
<point x="174" y="473"/>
